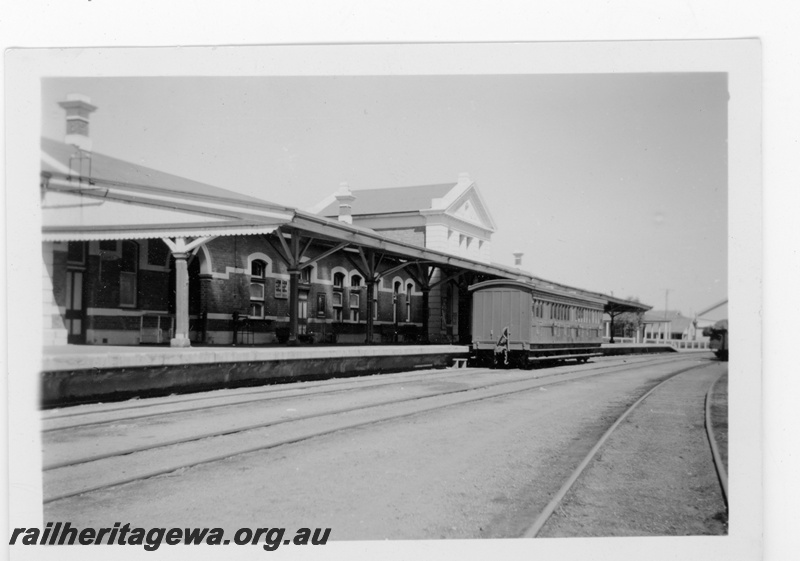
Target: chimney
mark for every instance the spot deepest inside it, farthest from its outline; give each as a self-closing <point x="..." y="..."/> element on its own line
<point x="78" y="109"/>
<point x="345" y="198"/>
<point x="518" y="258"/>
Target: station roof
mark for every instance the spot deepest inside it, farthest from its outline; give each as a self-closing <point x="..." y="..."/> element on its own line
<point x="618" y="305"/>
<point x="391" y="200"/>
<point x="91" y="196"/>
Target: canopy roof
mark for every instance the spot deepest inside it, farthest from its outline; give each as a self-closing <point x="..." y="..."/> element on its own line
<point x="619" y="306"/>
<point x="90" y="196"/>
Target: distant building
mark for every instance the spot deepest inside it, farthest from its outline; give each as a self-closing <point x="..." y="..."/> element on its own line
<point x="669" y="325"/>
<point x="448" y="217"/>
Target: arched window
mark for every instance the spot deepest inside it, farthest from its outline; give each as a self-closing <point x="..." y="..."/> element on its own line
<point x="409" y="288"/>
<point x="337" y="297"/>
<point x="355" y="298"/>
<point x="258" y="270"/>
<point x="128" y="274"/>
<point x="397" y="288"/>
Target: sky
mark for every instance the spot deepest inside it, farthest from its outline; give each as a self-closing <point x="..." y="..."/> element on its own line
<point x="615" y="183"/>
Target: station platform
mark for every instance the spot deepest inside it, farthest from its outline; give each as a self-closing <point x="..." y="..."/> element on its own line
<point x="84" y="373"/>
<point x="73" y="374"/>
<point x="649" y="348"/>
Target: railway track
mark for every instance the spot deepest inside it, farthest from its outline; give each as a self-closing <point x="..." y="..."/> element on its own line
<point x="70" y="477"/>
<point x="559" y="497"/>
<point x="88" y="416"/>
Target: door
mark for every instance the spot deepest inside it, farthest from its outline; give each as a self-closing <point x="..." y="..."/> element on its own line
<point x="75" y="315"/>
<point x="302" y="312"/>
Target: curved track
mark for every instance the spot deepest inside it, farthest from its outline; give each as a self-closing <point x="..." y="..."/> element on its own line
<point x="540" y="521"/>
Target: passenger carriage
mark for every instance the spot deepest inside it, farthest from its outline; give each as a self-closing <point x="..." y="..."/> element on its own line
<point x="517" y="324"/>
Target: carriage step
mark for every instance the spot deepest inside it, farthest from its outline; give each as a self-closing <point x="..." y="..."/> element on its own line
<point x="459" y="363"/>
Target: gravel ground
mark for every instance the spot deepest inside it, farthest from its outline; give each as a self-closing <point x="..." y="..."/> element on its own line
<point x="655" y="475"/>
<point x="483" y="469"/>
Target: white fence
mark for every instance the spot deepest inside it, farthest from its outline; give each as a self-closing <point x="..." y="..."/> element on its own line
<point x="677" y="344"/>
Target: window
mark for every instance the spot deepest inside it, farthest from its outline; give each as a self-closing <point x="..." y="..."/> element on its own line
<point x="108" y="245"/>
<point x="409" y="288"/>
<point x="76" y="253"/>
<point x="305" y="275"/>
<point x="355" y="304"/>
<point x="338" y="281"/>
<point x="258" y="270"/>
<point x="355" y="281"/>
<point x="321" y="305"/>
<point x="302" y="304"/>
<point x="129" y="267"/>
<point x="396" y="300"/>
<point x="157" y="253"/>
<point x="281" y="288"/>
<point x="337" y="306"/>
<point x="256" y="309"/>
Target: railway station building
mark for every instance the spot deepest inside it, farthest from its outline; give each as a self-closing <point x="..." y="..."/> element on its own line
<point x="133" y="255"/>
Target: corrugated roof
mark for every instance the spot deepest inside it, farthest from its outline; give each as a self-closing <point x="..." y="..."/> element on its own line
<point x="138" y="177"/>
<point x="392" y="199"/>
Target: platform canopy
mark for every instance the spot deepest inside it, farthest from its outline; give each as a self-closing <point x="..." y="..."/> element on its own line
<point x="91" y="196"/>
<point x="616" y="306"/>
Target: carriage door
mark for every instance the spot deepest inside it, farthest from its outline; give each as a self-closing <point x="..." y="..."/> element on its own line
<point x="75" y="314"/>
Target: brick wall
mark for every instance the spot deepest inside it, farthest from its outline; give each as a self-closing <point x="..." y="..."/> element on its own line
<point x="223" y="290"/>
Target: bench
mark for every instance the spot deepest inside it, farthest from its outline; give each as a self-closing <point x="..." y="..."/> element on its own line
<point x="459" y="363"/>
